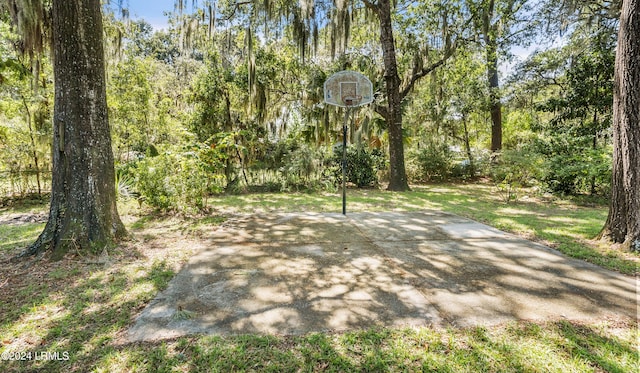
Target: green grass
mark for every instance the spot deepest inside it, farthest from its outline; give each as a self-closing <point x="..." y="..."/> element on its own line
<point x="18" y="235"/>
<point x="79" y="314"/>
<point x="84" y="309"/>
<point x="506" y="349"/>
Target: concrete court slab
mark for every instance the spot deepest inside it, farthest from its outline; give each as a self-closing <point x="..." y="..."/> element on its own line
<point x="304" y="272"/>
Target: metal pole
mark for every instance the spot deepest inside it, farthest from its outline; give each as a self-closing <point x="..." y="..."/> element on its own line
<point x="344" y="161"/>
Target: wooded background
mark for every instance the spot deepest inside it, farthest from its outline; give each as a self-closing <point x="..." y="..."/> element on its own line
<point x="228" y="98"/>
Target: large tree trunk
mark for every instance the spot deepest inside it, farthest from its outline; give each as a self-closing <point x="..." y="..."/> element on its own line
<point x="494" y="96"/>
<point x="491" y="49"/>
<point x="623" y="222"/>
<point x="83" y="217"/>
<point x="393" y="117"/>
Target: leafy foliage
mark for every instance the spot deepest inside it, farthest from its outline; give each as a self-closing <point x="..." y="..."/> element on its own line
<point x="576" y="141"/>
<point x="26" y="97"/>
<point x="205" y="106"/>
<point x="362" y="165"/>
<point x="570" y="167"/>
<point x="514" y="170"/>
<point x="177" y="180"/>
<point x="433" y="162"/>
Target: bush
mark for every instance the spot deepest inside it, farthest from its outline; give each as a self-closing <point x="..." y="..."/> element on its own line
<point x="362" y="166"/>
<point x="298" y="165"/>
<point x="177" y="181"/>
<point x="515" y="169"/>
<point x="153" y="180"/>
<point x="583" y="171"/>
<point x="463" y="169"/>
<point x="432" y="163"/>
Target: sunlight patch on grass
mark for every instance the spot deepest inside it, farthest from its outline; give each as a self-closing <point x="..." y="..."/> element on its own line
<point x="568" y="220"/>
<point x="562" y="231"/>
<point x="513" y="226"/>
<point x="512" y="211"/>
<point x="33" y="325"/>
<point x="134" y="292"/>
<point x="18" y="235"/>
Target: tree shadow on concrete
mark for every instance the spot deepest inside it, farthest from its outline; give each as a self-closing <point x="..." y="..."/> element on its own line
<point x="298" y="273"/>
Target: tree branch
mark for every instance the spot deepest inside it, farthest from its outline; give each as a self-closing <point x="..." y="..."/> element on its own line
<point x="513" y="34"/>
<point x="418" y="74"/>
<point x="382" y="111"/>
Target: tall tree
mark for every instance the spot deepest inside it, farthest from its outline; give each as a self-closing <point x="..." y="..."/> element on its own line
<point x="83" y="216"/>
<point x="500" y="23"/>
<point x="623" y="222"/>
<point x="393" y="112"/>
<point x="396" y="91"/>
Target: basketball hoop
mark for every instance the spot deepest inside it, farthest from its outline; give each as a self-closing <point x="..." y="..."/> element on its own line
<point x="348" y="89"/>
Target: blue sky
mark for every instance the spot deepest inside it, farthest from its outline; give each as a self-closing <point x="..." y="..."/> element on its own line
<point x="151" y="11"/>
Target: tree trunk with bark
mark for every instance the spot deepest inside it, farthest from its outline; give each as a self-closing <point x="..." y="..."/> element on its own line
<point x="393" y="115"/>
<point x="623" y="223"/>
<point x="494" y="97"/>
<point x="392" y="112"/>
<point x="467" y="145"/>
<point x="490" y="33"/>
<point x="83" y="217"/>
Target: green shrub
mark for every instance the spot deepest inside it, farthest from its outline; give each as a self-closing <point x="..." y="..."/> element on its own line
<point x="298" y="165"/>
<point x="432" y="162"/>
<point x="178" y="181"/>
<point x="124" y="186"/>
<point x="586" y="170"/>
<point x="515" y="169"/>
<point x="153" y="180"/>
<point x="463" y="169"/>
<point x="362" y="166"/>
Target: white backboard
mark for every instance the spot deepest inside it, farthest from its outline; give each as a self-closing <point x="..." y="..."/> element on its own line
<point x="348" y="89"/>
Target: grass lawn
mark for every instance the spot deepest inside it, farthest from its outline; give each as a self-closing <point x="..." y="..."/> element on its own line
<point x="75" y="312"/>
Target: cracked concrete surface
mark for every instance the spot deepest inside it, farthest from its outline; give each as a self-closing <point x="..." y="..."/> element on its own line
<point x="305" y="272"/>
